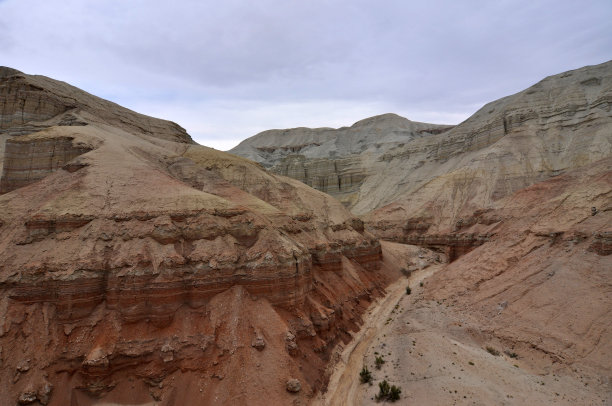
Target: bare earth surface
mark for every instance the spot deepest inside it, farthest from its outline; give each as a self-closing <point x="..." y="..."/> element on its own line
<point x="343" y="388"/>
<point x="438" y="357"/>
<point x="139" y="268"/>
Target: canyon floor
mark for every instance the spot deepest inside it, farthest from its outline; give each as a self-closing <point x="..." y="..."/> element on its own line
<point x="140" y="268"/>
<point x="438" y="357"/>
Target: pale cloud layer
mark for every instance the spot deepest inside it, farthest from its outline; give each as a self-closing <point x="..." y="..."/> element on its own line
<point x="226" y="70"/>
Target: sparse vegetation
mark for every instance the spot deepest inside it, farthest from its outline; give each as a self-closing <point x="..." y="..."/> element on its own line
<point x="471" y="363"/>
<point x="365" y="375"/>
<point x="387" y="392"/>
<point x="492" y="351"/>
<point x="394" y="393"/>
<point x="421" y="284"/>
<point x="408" y="290"/>
<point x="379" y="361"/>
<point x="383" y="391"/>
<point x="511" y="354"/>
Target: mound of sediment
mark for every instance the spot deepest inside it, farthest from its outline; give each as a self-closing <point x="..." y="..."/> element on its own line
<point x="139" y="267"/>
<point x="335" y="161"/>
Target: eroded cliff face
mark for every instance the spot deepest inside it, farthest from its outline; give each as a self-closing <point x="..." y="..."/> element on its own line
<point x="340" y="178"/>
<point x="414" y="172"/>
<point x="518" y="198"/>
<point x="135" y="268"/>
<point x="556" y="126"/>
<point x="559" y="124"/>
<point x="540" y="286"/>
<point x="31" y="102"/>
<point x="29" y="161"/>
<point x="334" y="161"/>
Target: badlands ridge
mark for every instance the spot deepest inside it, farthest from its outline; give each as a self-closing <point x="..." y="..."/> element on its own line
<point x="140" y="268"/>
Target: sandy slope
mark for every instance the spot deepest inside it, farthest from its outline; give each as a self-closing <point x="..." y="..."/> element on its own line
<point x="344" y="386"/>
<point x="137" y="266"/>
<point x="438" y="358"/>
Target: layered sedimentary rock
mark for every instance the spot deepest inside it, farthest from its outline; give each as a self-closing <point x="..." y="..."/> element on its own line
<point x="340" y="178"/>
<point x="335" y="161"/>
<point x="443" y="173"/>
<point x="32" y="160"/>
<point x="138" y="267"/>
<point x="559" y="124"/>
<point x="519" y="197"/>
<point x="31" y="103"/>
<point x="541" y="284"/>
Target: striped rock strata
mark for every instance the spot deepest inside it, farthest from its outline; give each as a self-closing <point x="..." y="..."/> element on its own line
<point x="335" y="161"/>
<point x="139" y="267"/>
<point x="560" y="124"/>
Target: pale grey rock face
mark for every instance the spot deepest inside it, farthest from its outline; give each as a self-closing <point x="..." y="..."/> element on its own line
<point x="560" y="123"/>
<point x="335" y="161"/>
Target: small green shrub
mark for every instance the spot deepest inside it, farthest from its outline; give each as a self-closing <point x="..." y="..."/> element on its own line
<point x="384" y="390"/>
<point x="421" y="284"/>
<point x="511" y="354"/>
<point x="408" y="290"/>
<point x="394" y="393"/>
<point x="387" y="392"/>
<point x="379" y="361"/>
<point x="492" y="351"/>
<point x="365" y="375"/>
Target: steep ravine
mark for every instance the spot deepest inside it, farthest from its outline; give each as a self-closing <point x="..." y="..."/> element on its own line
<point x="139" y="268"/>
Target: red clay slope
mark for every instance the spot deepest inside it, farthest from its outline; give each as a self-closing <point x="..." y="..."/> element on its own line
<point x="139" y="268"/>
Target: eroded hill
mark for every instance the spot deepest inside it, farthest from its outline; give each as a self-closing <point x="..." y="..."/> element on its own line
<point x="137" y="266"/>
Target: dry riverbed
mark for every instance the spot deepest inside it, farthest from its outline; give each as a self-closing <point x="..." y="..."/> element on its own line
<point x="438" y="358"/>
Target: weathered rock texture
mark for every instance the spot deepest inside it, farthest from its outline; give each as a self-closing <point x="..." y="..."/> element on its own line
<point x="335" y="161"/>
<point x="435" y="175"/>
<point x="138" y="267"/>
<point x="31" y="103"/>
<point x="31" y="160"/>
<point x="559" y="124"/>
<point x="541" y="285"/>
<point x="507" y="195"/>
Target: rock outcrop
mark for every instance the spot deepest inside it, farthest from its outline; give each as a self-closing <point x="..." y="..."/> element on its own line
<point x="518" y="197"/>
<point x="541" y="284"/>
<point x="558" y="125"/>
<point x="442" y="173"/>
<point x="138" y="267"/>
<point x="509" y="196"/>
<point x="335" y="161"/>
<point x="33" y="102"/>
<point x="27" y="161"/>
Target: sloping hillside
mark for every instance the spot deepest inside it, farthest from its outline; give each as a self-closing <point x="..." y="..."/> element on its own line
<point x="139" y="267"/>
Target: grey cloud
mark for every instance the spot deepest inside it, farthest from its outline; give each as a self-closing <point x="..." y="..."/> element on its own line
<point x="441" y="57"/>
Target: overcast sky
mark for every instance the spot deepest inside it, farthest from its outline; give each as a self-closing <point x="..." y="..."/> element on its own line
<point x="227" y="69"/>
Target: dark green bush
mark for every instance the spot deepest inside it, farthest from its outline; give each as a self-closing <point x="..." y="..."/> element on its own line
<point x="365" y="375"/>
<point x="511" y="354"/>
<point x="394" y="393"/>
<point x="379" y="361"/>
<point x="492" y="351"/>
<point x="408" y="290"/>
<point x="386" y="392"/>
